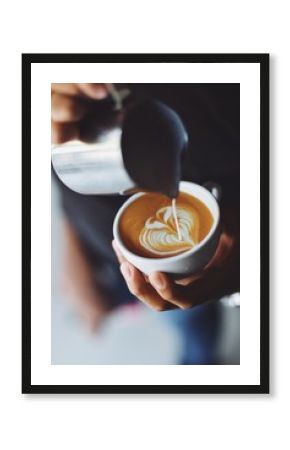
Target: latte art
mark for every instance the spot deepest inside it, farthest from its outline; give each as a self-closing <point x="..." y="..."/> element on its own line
<point x="154" y="226"/>
<point x="160" y="235"/>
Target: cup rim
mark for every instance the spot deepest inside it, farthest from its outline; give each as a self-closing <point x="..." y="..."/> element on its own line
<point x="174" y="258"/>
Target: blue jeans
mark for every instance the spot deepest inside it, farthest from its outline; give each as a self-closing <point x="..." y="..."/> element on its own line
<point x="199" y="330"/>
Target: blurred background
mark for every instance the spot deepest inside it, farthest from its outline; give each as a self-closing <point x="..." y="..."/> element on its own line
<point x="132" y="334"/>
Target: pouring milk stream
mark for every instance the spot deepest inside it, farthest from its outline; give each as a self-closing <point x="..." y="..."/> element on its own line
<point x="140" y="150"/>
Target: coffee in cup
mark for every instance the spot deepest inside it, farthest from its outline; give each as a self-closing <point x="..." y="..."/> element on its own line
<point x="149" y="236"/>
<point x="150" y="227"/>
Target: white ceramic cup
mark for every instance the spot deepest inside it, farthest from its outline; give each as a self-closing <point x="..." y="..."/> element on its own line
<point x="190" y="261"/>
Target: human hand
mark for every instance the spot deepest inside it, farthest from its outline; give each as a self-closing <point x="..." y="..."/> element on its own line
<point x="220" y="277"/>
<point x="70" y="103"/>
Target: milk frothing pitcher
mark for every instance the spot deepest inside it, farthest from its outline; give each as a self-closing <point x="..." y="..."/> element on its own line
<point x="131" y="144"/>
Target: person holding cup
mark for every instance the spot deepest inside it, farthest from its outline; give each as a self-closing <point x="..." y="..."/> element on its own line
<point x="211" y="115"/>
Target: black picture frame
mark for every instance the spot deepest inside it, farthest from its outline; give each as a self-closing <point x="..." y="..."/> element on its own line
<point x="27" y="60"/>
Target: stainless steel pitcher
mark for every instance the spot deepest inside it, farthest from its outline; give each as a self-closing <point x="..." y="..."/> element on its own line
<point x="141" y="152"/>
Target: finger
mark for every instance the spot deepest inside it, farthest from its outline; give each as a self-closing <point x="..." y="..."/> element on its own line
<point x="141" y="289"/>
<point x="96" y="91"/>
<point x="63" y="132"/>
<point x="65" y="108"/>
<point x="224" y="249"/>
<point x="93" y="90"/>
<point x="190" y="279"/>
<point x="168" y="290"/>
<point x="120" y="256"/>
<point x="65" y="88"/>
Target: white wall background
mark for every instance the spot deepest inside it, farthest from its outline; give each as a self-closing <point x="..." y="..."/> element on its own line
<point x="109" y="422"/>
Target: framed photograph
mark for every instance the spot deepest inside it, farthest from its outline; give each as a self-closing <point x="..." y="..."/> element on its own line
<point x="145" y="223"/>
